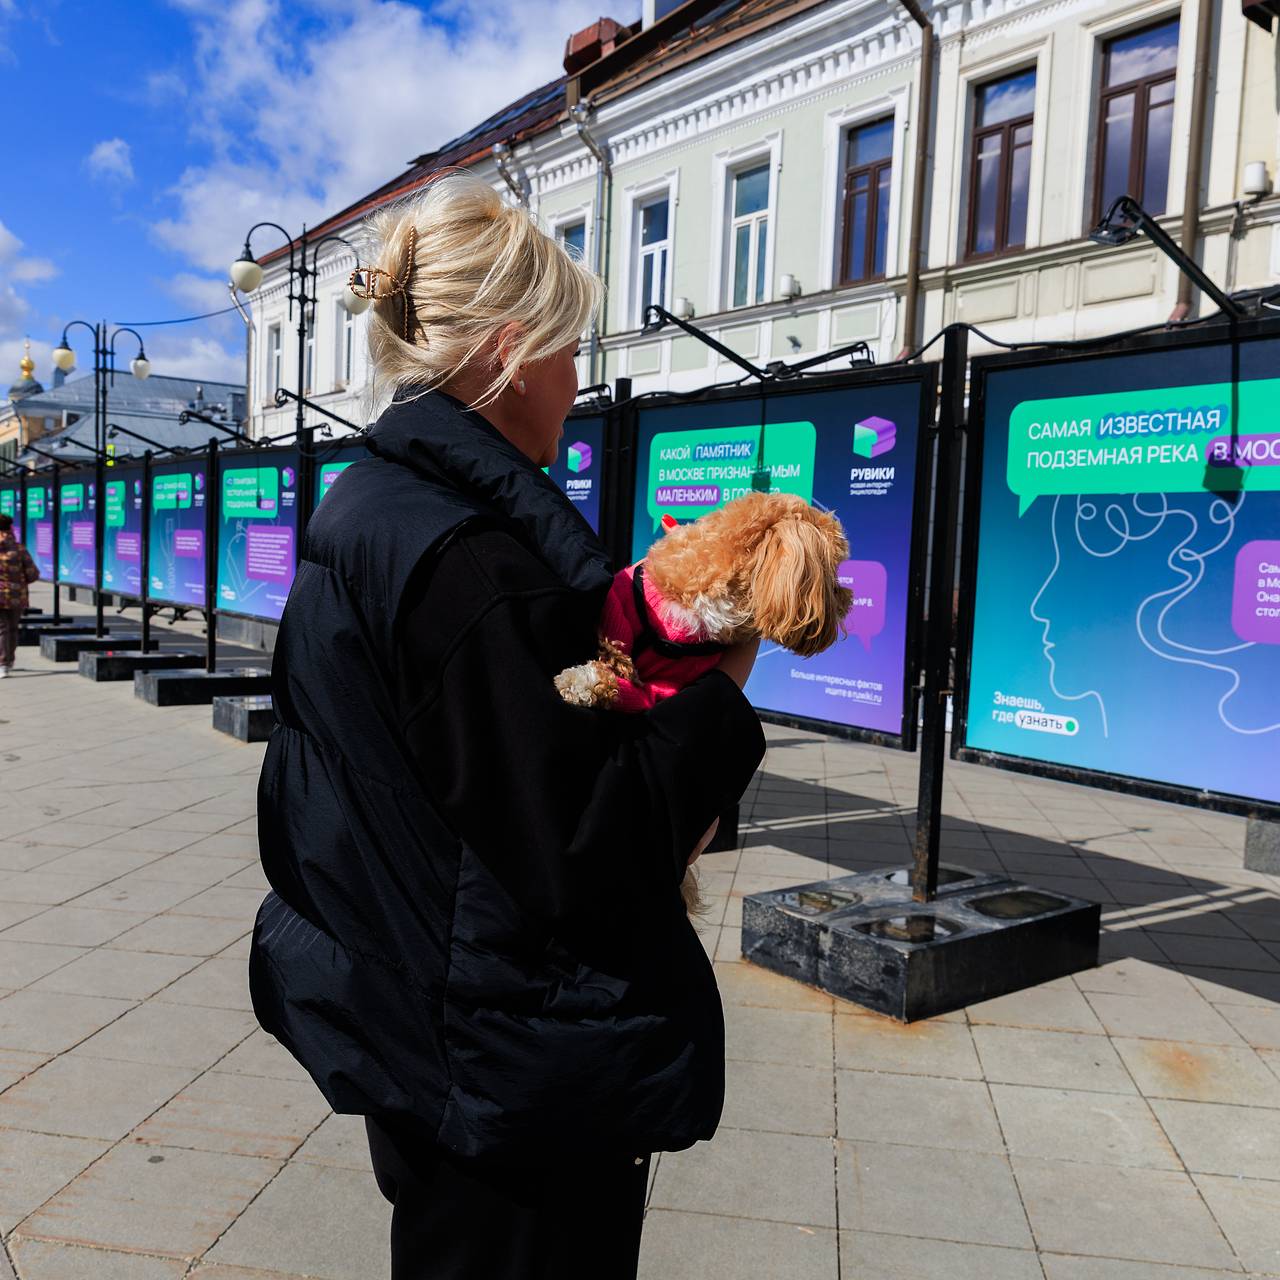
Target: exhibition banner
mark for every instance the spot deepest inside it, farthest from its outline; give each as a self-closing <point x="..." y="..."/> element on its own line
<point x="257" y="531"/>
<point x="176" y="550"/>
<point x="38" y="522"/>
<point x="853" y="449"/>
<point x="331" y="460"/>
<point x="578" y="470"/>
<point x="11" y="505"/>
<point x="122" y="537"/>
<point x="77" y="511"/>
<point x="1123" y="566"/>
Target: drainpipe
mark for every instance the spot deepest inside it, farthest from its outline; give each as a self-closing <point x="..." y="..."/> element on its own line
<point x="502" y="160"/>
<point x="1195" y="152"/>
<point x="579" y="113"/>
<point x="924" y="115"/>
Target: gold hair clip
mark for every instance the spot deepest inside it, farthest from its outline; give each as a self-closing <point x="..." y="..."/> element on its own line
<point x="370" y="287"/>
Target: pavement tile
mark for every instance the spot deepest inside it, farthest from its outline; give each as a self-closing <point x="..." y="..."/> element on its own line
<point x="790" y="1036"/>
<point x="1051" y="1059"/>
<point x="133" y="893"/>
<point x="224" y="845"/>
<point x="212" y="1271"/>
<point x="886" y="1257"/>
<point x="1179" y="1017"/>
<point x="927" y="1048"/>
<point x="20" y="855"/>
<point x="17" y="1063"/>
<point x="34" y="1166"/>
<point x="243" y="1115"/>
<point x="89" y="1098"/>
<point x="25" y="962"/>
<point x="341" y="1141"/>
<point x="195" y="870"/>
<point x="1145" y="1215"/>
<point x="780" y="1177"/>
<point x="963" y="1196"/>
<point x="1220" y="986"/>
<point x="715" y="1247"/>
<point x="1049" y="1008"/>
<point x="748" y="984"/>
<point x="104" y="865"/>
<point x="262" y="1055"/>
<point x="221" y="902"/>
<point x="1248" y="1211"/>
<point x="1101" y="1128"/>
<point x="1257" y="1026"/>
<point x="183" y="935"/>
<point x="218" y="983"/>
<point x="165" y="1201"/>
<point x="1132" y="977"/>
<point x="74" y="926"/>
<point x="1213" y="1138"/>
<point x="1199" y="1072"/>
<point x="41" y="1260"/>
<point x="319" y="1221"/>
<point x="923" y="1111"/>
<point x="44" y="887"/>
<point x="148" y="839"/>
<point x="201" y="824"/>
<point x="779" y="1099"/>
<point x="125" y="975"/>
<point x="1070" y="1267"/>
<point x="52" y="1021"/>
<point x="1219" y="953"/>
<point x="171" y="1035"/>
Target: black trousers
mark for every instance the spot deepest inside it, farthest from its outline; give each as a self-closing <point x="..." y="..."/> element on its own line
<point x="454" y="1221"/>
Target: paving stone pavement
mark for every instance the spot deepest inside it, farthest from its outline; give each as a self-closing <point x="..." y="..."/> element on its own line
<point x="1123" y="1124"/>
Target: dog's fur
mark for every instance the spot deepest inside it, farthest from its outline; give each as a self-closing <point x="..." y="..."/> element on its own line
<point x="762" y="566"/>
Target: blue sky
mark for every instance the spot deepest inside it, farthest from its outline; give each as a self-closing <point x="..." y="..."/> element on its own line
<point x="148" y="136"/>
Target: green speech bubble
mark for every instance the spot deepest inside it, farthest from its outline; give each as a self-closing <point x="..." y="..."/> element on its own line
<point x="171" y="492"/>
<point x="693" y="472"/>
<point x="251" y="493"/>
<point x="1162" y="440"/>
<point x="72" y="497"/>
<point x="115" y="504"/>
<point x="35" y="504"/>
<point x="8" y="502"/>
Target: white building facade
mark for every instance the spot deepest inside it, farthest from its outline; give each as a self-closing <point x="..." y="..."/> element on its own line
<point x="760" y="181"/>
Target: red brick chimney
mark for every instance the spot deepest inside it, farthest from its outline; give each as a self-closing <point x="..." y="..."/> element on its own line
<point x="592" y="43"/>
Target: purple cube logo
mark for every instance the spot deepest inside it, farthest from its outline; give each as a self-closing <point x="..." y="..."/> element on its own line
<point x="579" y="457"/>
<point x="288" y="477"/>
<point x="874" y="436"/>
<point x="199" y="481"/>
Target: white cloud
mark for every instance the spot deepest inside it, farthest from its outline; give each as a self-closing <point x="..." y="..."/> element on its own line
<point x="111" y="161"/>
<point x="16" y="267"/>
<point x="305" y="108"/>
<point x="32" y="270"/>
<point x="198" y="356"/>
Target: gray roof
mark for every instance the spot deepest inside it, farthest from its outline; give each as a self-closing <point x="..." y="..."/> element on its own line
<point x="150" y="407"/>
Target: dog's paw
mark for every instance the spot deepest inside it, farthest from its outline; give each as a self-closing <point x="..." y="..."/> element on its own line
<point x="590" y="685"/>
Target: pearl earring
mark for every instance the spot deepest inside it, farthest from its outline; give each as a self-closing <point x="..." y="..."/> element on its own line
<point x="520" y="384"/>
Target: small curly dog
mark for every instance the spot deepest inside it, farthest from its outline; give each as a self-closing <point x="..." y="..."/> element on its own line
<point x="763" y="566"/>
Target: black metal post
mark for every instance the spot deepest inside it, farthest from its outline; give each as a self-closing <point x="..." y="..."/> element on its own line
<point x="213" y="499"/>
<point x="54" y="508"/>
<point x="939" y="624"/>
<point x="99" y="529"/>
<point x="299" y="421"/>
<point x="306" y="480"/>
<point x="144" y="584"/>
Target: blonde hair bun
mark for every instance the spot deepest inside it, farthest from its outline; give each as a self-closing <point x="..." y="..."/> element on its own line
<point x="478" y="265"/>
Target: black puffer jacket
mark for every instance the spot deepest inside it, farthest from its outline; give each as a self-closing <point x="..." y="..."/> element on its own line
<point x="475" y="930"/>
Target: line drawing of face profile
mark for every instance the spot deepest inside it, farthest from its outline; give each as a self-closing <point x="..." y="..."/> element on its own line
<point x="1181" y="618"/>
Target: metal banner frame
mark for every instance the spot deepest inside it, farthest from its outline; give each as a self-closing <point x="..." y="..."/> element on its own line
<point x="925" y="376"/>
<point x="86" y="476"/>
<point x="1220" y="336"/>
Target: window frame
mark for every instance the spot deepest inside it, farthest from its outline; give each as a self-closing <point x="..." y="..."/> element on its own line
<point x="344" y="364"/>
<point x="849" y="174"/>
<point x="309" y="361"/>
<point x="762" y="292"/>
<point x="664" y="246"/>
<point x="275" y="359"/>
<point x="977" y="134"/>
<point x="1141" y="87"/>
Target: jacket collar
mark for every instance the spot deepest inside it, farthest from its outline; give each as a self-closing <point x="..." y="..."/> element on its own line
<point x="439" y="437"/>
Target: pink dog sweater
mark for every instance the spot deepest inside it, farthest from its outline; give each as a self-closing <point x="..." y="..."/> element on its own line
<point x="667" y="654"/>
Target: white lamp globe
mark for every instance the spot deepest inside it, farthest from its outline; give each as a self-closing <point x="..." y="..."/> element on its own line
<point x="246" y="275"/>
<point x="140" y="367"/>
<point x="353" y="302"/>
<point x="64" y="358"/>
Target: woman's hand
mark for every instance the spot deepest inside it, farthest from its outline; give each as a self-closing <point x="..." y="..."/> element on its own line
<point x="739" y="659"/>
<point x="706" y="840"/>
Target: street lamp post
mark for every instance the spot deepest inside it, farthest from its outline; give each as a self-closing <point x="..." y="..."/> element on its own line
<point x="246" y="275"/>
<point x="104" y="375"/>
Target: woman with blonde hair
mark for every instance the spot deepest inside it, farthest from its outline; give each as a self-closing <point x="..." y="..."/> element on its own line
<point x="475" y="936"/>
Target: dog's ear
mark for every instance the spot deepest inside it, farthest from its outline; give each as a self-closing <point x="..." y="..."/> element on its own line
<point x="796" y="597"/>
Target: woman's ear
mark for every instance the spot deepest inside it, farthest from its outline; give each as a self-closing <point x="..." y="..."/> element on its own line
<point x="505" y="343"/>
<point x="796" y="597"/>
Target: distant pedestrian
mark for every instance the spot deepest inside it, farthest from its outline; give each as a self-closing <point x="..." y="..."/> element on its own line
<point x="475" y="936"/>
<point x="17" y="572"/>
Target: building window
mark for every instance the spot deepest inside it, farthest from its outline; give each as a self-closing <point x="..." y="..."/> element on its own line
<point x="573" y="239"/>
<point x="345" y="325"/>
<point x="1135" y="118"/>
<point x="1000" y="166"/>
<point x="868" y="173"/>
<point x="654" y="234"/>
<point x="749" y="235"/>
<point x="274" y="360"/>
<point x="308" y="380"/>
